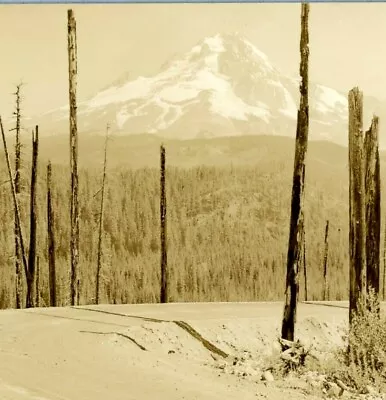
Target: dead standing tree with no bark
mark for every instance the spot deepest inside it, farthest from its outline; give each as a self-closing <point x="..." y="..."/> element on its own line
<point x="37" y="283"/>
<point x="325" y="262"/>
<point x="17" y="183"/>
<point x="33" y="219"/>
<point x="296" y="222"/>
<point x="305" y="267"/>
<point x="101" y="212"/>
<point x="15" y="203"/>
<point x="74" y="213"/>
<point x="384" y="266"/>
<point x="357" y="209"/>
<point x="51" y="239"/>
<point x="164" y="262"/>
<point x="373" y="206"/>
<point x="303" y="261"/>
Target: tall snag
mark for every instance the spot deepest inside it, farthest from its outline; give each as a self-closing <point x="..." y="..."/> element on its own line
<point x="357" y="210"/>
<point x="373" y="206"/>
<point x="37" y="283"/>
<point x="74" y="213"/>
<point x="164" y="262"/>
<point x="305" y="268"/>
<point x="51" y="239"/>
<point x="325" y="262"/>
<point x="302" y="257"/>
<point x="15" y="203"/>
<point x="384" y="266"/>
<point x="32" y="240"/>
<point x="18" y="258"/>
<point x="101" y="212"/>
<point x="296" y="222"/>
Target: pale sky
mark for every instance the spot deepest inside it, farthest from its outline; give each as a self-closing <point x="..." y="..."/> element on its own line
<point x="347" y="44"/>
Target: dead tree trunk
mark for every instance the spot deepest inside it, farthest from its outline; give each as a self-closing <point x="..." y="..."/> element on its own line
<point x="357" y="210"/>
<point x="305" y="267"/>
<point x="101" y="212"/>
<point x="164" y="262"/>
<point x="51" y="239"/>
<point x="18" y="260"/>
<point x="72" y="71"/>
<point x="373" y="206"/>
<point x="15" y="203"/>
<point x="78" y="292"/>
<point x="384" y="266"/>
<point x="32" y="240"/>
<point x="302" y="261"/>
<point x="37" y="281"/>
<point x="325" y="262"/>
<point x="294" y="245"/>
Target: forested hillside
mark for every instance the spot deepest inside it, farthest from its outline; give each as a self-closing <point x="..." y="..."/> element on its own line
<point x="227" y="222"/>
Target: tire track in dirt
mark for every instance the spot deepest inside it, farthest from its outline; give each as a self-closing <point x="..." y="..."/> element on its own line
<point x="181" y="324"/>
<point x="196" y="335"/>
<point x="118" y="334"/>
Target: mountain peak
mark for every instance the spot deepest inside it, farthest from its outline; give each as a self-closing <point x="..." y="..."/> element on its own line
<point x="223" y="86"/>
<point x="233" y="43"/>
<point x="215" y="43"/>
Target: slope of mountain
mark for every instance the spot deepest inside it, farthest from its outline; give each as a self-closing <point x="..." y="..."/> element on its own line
<point x="142" y="150"/>
<point x="223" y="86"/>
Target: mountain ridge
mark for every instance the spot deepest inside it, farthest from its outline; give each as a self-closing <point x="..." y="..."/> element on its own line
<point x="142" y="151"/>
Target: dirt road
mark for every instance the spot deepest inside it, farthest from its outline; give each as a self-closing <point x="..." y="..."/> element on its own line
<point x="125" y="352"/>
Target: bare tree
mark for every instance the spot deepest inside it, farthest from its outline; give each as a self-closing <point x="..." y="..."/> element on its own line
<point x="101" y="212"/>
<point x="384" y="266"/>
<point x="15" y="203"/>
<point x="373" y="206"/>
<point x="78" y="292"/>
<point x="296" y="222"/>
<point x="51" y="239"/>
<point x="74" y="213"/>
<point x="37" y="283"/>
<point x="302" y="260"/>
<point x="18" y="260"/>
<point x="357" y="210"/>
<point x="325" y="263"/>
<point x="32" y="241"/>
<point x="164" y="262"/>
<point x="305" y="267"/>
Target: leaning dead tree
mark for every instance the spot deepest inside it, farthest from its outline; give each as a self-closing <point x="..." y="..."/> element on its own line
<point x="15" y="203"/>
<point x="373" y="206"/>
<point x="32" y="240"/>
<point x="74" y="213"/>
<point x="296" y="222"/>
<point x="51" y="239"/>
<point x="18" y="260"/>
<point x="325" y="263"/>
<point x="357" y="209"/>
<point x="164" y="261"/>
<point x="101" y="214"/>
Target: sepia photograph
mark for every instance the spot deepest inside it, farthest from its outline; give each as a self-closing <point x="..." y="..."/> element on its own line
<point x="192" y="201"/>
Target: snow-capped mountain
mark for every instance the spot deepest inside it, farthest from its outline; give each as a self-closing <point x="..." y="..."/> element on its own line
<point x="223" y="86"/>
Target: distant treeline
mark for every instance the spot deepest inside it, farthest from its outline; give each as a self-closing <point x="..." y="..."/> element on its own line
<point x="227" y="233"/>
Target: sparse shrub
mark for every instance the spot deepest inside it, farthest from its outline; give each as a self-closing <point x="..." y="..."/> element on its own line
<point x="363" y="362"/>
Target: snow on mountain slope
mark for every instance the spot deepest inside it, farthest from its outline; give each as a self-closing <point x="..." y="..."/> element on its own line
<point x="223" y="86"/>
<point x="178" y="86"/>
<point x="330" y="99"/>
